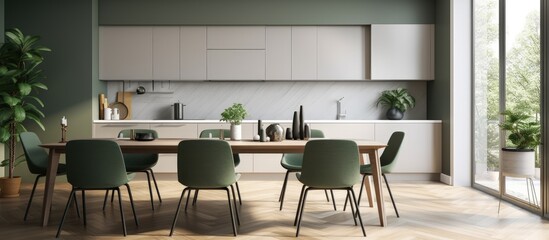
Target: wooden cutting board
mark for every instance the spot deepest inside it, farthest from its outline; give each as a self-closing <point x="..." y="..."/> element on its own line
<point x="127" y="100"/>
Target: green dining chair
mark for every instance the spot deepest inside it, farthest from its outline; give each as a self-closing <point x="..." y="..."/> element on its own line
<point x="37" y="162"/>
<point x="215" y="133"/>
<point x="96" y="164"/>
<point x="387" y="162"/>
<point x="331" y="164"/>
<point x="140" y="162"/>
<point x="292" y="163"/>
<point x="206" y="164"/>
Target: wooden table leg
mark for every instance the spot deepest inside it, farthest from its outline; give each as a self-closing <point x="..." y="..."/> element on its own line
<point x="376" y="174"/>
<point x="50" y="184"/>
<point x="368" y="188"/>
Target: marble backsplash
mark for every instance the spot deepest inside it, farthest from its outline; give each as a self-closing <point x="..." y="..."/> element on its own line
<point x="267" y="100"/>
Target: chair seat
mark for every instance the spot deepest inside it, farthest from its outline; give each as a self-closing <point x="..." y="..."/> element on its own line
<point x="292" y="161"/>
<point x="290" y="166"/>
<point x="367" y="169"/>
<point x="326" y="185"/>
<point x="139" y="161"/>
<point x="61" y="170"/>
<point x="131" y="176"/>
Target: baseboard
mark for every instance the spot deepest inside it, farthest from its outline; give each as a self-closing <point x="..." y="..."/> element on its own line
<point x="397" y="177"/>
<point x="446" y="179"/>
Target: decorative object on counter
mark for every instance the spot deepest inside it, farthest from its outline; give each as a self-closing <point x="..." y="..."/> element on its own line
<point x="275" y="132"/>
<point x="295" y="126"/>
<point x="115" y="114"/>
<point x="289" y="134"/>
<point x="307" y="131"/>
<point x="256" y="137"/>
<point x="140" y="90"/>
<point x="259" y="125"/>
<point x="234" y="115"/>
<point x="340" y="113"/>
<point x="144" y="136"/>
<point x="101" y="106"/>
<point x="262" y="137"/>
<point x="398" y="101"/>
<point x="222" y="134"/>
<point x="21" y="78"/>
<point x="178" y="109"/>
<point x="107" y="113"/>
<point x="64" y="127"/>
<point x="123" y="109"/>
<point x="301" y="123"/>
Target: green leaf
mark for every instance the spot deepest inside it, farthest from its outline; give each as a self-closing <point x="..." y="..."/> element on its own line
<point x="4" y="134"/>
<point x="5" y="114"/>
<point x="30" y="108"/>
<point x="11" y="101"/>
<point x="40" y="85"/>
<point x="19" y="114"/>
<point x="36" y="120"/>
<point x="37" y="100"/>
<point x="24" y="88"/>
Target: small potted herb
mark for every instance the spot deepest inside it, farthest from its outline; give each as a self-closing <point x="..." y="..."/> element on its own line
<point x="234" y="115"/>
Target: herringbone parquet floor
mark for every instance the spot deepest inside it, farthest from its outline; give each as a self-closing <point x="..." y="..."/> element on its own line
<point x="428" y="211"/>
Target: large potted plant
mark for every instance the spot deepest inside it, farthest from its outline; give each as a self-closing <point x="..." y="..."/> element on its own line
<point x="19" y="82"/>
<point x="524" y="135"/>
<point x="398" y="101"/>
<point x="234" y="115"/>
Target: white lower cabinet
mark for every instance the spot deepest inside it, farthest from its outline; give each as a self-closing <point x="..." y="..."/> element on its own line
<point x="109" y="130"/>
<point x="174" y="130"/>
<point x="268" y="163"/>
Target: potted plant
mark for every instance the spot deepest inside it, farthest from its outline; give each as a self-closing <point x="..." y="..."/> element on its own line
<point x="19" y="82"/>
<point x="234" y="115"/>
<point x="525" y="134"/>
<point x="398" y="101"/>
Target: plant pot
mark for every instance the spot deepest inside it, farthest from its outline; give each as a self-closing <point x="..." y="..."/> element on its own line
<point x="394" y="114"/>
<point x="517" y="162"/>
<point x="236" y="132"/>
<point x="9" y="187"/>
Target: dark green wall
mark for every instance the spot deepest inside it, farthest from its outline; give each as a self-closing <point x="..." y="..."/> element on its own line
<point x="69" y="28"/>
<point x="438" y="91"/>
<point x="264" y="12"/>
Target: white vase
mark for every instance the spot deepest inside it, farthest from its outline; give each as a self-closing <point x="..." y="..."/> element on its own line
<point x="236" y="132"/>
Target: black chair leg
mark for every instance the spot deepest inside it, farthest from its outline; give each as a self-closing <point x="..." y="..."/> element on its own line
<point x="283" y="191"/>
<point x="105" y="199"/>
<point x="235" y="208"/>
<point x="131" y="202"/>
<point x="187" y="202"/>
<point x="121" y="212"/>
<point x="301" y="212"/>
<point x="156" y="186"/>
<point x="238" y="191"/>
<point x="358" y="211"/>
<point x="359" y="194"/>
<point x="30" y="199"/>
<point x="327" y="197"/>
<point x="390" y="194"/>
<point x="231" y="211"/>
<point x="150" y="189"/>
<point x="178" y="208"/>
<point x="352" y="208"/>
<point x="71" y="196"/>
<point x="77" y="209"/>
<point x="333" y="199"/>
<point x="346" y="200"/>
<point x="84" y="206"/>
<point x="195" y="196"/>
<point x="299" y="204"/>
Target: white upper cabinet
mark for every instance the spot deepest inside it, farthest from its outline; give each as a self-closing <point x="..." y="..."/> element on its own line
<point x="304" y="52"/>
<point x="236" y="37"/>
<point x="236" y="64"/>
<point x="125" y="53"/>
<point x="192" y="53"/>
<point x="402" y="52"/>
<point x="165" y="53"/>
<point x="341" y="53"/>
<point x="278" y="59"/>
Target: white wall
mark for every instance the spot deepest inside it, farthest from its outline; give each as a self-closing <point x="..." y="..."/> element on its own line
<point x="461" y="93"/>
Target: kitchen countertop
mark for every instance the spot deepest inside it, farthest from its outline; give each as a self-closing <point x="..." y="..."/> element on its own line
<point x="264" y="121"/>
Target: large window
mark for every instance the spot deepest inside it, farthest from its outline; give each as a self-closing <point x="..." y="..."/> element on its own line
<point x="506" y="77"/>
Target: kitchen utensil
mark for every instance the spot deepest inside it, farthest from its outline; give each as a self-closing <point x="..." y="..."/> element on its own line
<point x="143" y="136"/>
<point x="115" y="114"/>
<point x="120" y="105"/>
<point x="101" y="106"/>
<point x="107" y="113"/>
<point x="140" y="90"/>
<point x="178" y="111"/>
<point x="127" y="100"/>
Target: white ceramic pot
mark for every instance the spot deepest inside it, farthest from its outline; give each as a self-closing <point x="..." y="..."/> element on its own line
<point x="236" y="132"/>
<point x="517" y="162"/>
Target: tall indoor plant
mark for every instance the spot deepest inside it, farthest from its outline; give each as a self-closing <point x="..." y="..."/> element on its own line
<point x="398" y="101"/>
<point x="234" y="115"/>
<point x="524" y="134"/>
<point x="19" y="82"/>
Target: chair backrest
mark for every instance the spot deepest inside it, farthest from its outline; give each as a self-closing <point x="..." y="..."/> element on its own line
<point x="205" y="163"/>
<point x="37" y="157"/>
<point x="95" y="163"/>
<point x="388" y="157"/>
<point x="127" y="132"/>
<point x="330" y="163"/>
<point x="297" y="158"/>
<point x="215" y="133"/>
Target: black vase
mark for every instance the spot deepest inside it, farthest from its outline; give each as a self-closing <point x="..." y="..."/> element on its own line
<point x="307" y="132"/>
<point x="301" y="123"/>
<point x="394" y="114"/>
<point x="295" y="126"/>
<point x="289" y="134"/>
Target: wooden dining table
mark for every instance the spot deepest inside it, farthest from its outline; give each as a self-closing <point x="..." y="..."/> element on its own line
<point x="163" y="145"/>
